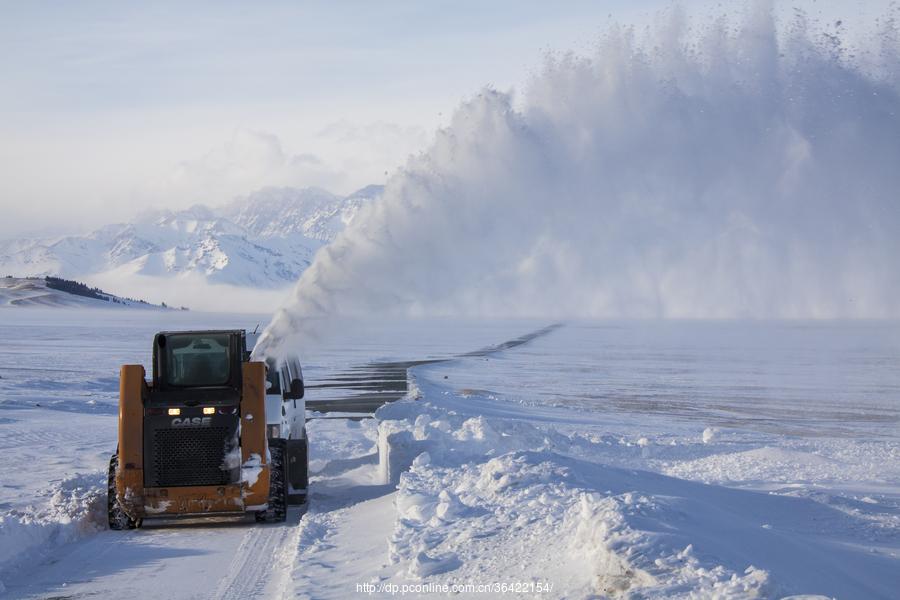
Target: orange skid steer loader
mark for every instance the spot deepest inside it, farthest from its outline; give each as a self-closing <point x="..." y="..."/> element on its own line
<point x="194" y="440"/>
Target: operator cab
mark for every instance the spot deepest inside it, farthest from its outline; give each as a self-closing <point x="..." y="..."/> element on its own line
<point x="198" y="367"/>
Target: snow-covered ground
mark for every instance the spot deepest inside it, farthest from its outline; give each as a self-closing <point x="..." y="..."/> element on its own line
<point x="644" y="459"/>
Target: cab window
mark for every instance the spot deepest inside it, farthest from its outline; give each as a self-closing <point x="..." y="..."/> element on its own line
<point x="197" y="360"/>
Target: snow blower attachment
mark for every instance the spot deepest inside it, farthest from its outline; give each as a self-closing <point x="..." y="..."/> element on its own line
<point x="213" y="433"/>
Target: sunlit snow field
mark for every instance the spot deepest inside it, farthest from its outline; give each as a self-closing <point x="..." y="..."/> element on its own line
<point x="807" y="410"/>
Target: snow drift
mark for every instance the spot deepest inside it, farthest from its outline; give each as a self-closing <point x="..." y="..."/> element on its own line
<point x="76" y="507"/>
<point x="481" y="496"/>
<point x="690" y="171"/>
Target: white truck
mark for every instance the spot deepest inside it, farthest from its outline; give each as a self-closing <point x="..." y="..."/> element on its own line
<point x="286" y="418"/>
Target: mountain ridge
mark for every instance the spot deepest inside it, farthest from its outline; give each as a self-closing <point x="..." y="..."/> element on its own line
<point x="263" y="240"/>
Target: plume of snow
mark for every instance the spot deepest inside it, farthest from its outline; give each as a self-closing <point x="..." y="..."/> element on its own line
<point x="698" y="172"/>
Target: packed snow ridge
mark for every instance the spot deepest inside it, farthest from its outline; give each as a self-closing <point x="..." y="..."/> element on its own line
<point x="485" y="496"/>
<point x="265" y="239"/>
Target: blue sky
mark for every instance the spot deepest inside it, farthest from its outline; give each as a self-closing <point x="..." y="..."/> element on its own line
<point x="112" y="108"/>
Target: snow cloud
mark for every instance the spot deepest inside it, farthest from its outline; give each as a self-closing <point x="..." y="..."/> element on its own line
<point x="711" y="171"/>
<point x="248" y="161"/>
<point x="348" y="156"/>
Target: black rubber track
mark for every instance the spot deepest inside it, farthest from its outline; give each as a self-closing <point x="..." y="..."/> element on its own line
<point x="118" y="518"/>
<point x="278" y="500"/>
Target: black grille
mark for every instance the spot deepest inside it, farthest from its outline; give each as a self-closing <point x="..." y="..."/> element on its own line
<point x="190" y="456"/>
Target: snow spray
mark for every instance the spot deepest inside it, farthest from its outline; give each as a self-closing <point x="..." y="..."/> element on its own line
<point x="722" y="171"/>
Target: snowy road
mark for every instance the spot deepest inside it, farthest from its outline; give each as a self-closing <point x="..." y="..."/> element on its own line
<point x="224" y="558"/>
<point x="663" y="459"/>
<point x="313" y="554"/>
<point x="220" y="558"/>
<point x="59" y="417"/>
<point x="198" y="560"/>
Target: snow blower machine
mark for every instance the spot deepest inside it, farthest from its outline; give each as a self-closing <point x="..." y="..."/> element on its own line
<point x="213" y="433"/>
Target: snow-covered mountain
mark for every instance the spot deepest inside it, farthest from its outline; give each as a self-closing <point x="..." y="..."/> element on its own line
<point x="265" y="239"/>
<point x="283" y="213"/>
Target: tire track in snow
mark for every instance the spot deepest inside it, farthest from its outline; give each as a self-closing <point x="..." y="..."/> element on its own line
<point x="262" y="560"/>
<point x="344" y="542"/>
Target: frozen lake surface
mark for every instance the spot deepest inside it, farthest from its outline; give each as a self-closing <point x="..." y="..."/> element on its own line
<point x="604" y="423"/>
<point x="810" y="379"/>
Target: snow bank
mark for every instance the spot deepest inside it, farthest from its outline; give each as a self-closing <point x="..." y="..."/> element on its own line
<point x="485" y="498"/>
<point x="75" y="507"/>
<point x="532" y="508"/>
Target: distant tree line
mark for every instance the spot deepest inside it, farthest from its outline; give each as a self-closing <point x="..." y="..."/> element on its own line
<point x="75" y="287"/>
